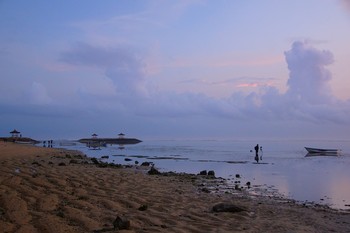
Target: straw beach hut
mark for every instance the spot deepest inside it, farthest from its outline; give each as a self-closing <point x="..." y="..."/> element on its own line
<point x="14" y="133"/>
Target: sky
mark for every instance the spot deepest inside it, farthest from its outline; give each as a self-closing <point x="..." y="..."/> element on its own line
<point x="185" y="69"/>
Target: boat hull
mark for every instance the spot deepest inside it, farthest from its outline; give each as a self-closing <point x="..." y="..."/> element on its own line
<point x="322" y="152"/>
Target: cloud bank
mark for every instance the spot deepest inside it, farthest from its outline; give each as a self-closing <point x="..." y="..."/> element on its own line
<point x="128" y="99"/>
<point x="308" y="97"/>
<point x="121" y="65"/>
<point x="309" y="79"/>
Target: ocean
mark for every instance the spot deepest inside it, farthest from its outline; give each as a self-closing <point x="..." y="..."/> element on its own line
<point x="284" y="170"/>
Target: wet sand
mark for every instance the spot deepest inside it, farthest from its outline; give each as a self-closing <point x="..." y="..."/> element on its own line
<point x="53" y="190"/>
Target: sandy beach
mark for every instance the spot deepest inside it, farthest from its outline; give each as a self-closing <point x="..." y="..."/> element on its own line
<point x="54" y="190"/>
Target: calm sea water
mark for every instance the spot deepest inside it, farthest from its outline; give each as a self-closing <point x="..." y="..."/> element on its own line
<point x="284" y="169"/>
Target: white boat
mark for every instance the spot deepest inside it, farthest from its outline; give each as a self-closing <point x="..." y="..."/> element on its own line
<point x="318" y="151"/>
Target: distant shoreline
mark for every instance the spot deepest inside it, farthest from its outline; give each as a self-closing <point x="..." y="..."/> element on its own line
<point x="19" y="139"/>
<point x="120" y="141"/>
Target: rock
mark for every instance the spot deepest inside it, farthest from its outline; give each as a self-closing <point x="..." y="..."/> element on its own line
<point x="105" y="157"/>
<point x="203" y="173"/>
<point x="95" y="161"/>
<point x="211" y="173"/>
<point x="61" y="164"/>
<point x="143" y="208"/>
<point x="146" y="164"/>
<point x="136" y="162"/>
<point x="205" y="190"/>
<point x="153" y="171"/>
<point x="2" y="211"/>
<point x="238" y="176"/>
<point x="225" y="207"/>
<point x="121" y="223"/>
<point x="127" y="159"/>
<point x="248" y="184"/>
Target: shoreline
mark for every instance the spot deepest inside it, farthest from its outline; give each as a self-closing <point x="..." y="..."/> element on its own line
<point x="45" y="190"/>
<point x="279" y="180"/>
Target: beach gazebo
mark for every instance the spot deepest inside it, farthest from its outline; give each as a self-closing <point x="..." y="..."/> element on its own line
<point x="121" y="135"/>
<point x="15" y="133"/>
<point x="94" y="135"/>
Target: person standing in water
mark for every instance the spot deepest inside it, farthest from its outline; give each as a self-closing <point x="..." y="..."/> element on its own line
<point x="257" y="153"/>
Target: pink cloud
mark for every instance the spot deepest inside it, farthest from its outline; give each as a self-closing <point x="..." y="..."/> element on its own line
<point x="225" y="62"/>
<point x="346" y="4"/>
<point x="255" y="84"/>
<point x="247" y="85"/>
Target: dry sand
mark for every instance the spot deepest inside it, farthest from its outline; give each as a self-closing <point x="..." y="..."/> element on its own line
<point x="51" y="190"/>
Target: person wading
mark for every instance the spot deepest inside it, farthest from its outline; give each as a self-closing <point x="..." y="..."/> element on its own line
<point x="257" y="153"/>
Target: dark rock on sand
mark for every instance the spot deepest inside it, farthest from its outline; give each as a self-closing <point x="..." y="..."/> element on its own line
<point x="121" y="223"/>
<point x="95" y="161"/>
<point x="36" y="163"/>
<point x="211" y="173"/>
<point x="2" y="212"/>
<point x="153" y="171"/>
<point x="143" y="208"/>
<point x="203" y="173"/>
<point x="146" y="164"/>
<point x="205" y="190"/>
<point x="226" y="207"/>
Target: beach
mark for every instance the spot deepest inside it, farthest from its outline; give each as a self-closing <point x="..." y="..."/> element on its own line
<point x="56" y="190"/>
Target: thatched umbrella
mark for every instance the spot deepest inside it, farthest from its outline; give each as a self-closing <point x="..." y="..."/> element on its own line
<point x="14" y="133"/>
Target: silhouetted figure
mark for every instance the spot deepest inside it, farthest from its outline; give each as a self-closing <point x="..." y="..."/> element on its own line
<point x="261" y="152"/>
<point x="257" y="153"/>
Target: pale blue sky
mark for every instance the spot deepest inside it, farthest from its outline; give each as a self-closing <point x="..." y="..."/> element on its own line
<point x="173" y="69"/>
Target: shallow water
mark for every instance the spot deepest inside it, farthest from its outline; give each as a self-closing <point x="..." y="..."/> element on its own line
<point x="284" y="168"/>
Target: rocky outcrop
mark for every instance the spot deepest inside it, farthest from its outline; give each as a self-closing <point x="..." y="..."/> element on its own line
<point x="227" y="207"/>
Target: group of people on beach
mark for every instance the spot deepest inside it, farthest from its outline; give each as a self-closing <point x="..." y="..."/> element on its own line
<point x="257" y="148"/>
